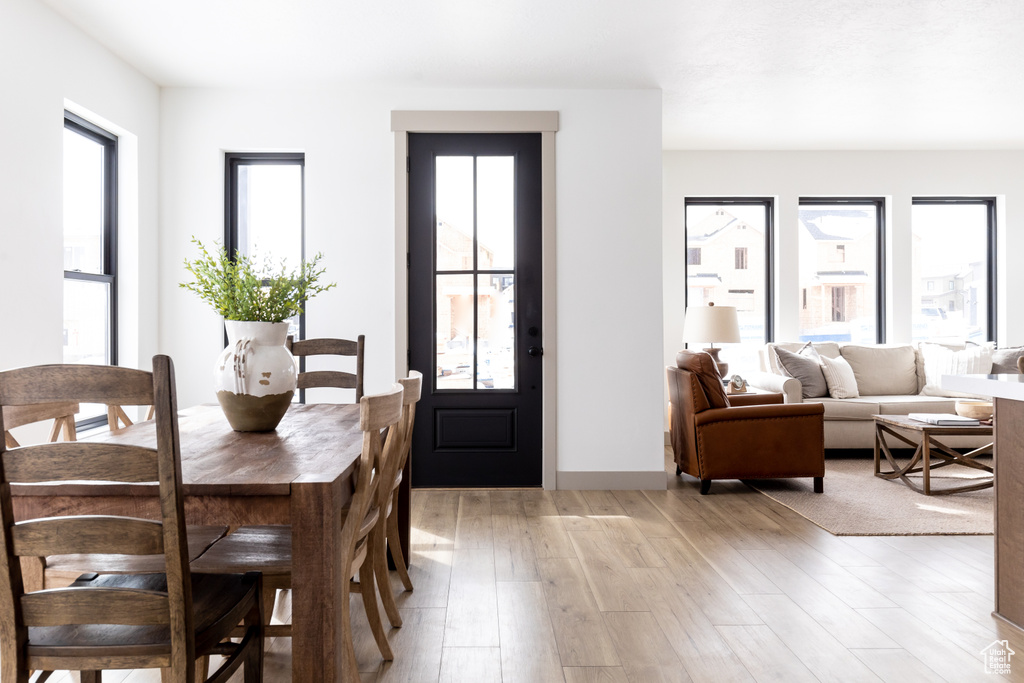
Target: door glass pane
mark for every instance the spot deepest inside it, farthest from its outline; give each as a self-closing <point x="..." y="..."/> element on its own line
<point x="496" y="318"/>
<point x="495" y="214"/>
<point x="454" y="205"/>
<point x="83" y="203"/>
<point x="454" y="327"/>
<point x="950" y="272"/>
<point x="86" y="330"/>
<point x="838" y="272"/>
<point x="725" y="264"/>
<point x="270" y="213"/>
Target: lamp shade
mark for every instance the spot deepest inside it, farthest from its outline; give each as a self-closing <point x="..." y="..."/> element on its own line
<point x="711" y="324"/>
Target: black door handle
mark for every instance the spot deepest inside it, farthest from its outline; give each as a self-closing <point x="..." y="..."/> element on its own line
<point x="535" y="351"/>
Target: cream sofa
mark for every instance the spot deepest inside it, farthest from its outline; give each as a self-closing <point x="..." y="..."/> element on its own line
<point x="890" y="379"/>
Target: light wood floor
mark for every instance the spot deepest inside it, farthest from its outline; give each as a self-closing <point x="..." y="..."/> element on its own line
<point x="642" y="587"/>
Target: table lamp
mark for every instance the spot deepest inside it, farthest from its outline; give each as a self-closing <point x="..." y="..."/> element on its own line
<point x="712" y="324"/>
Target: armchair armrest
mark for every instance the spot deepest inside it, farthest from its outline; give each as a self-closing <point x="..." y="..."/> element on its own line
<point x="789" y="387"/>
<point x="756" y="399"/>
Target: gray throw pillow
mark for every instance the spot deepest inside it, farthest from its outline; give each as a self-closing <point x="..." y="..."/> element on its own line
<point x="805" y="367"/>
<point x="1004" y="361"/>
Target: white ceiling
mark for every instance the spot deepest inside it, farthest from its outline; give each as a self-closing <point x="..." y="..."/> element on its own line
<point x="735" y="74"/>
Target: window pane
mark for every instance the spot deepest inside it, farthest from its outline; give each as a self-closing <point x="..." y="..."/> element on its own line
<point x="454" y="192"/>
<point x="454" y="328"/>
<point x="83" y="203"/>
<point x="950" y="272"/>
<point x="270" y="213"/>
<point x="496" y="212"/>
<point x="838" y="272"/>
<point x="87" y="330"/>
<point x="725" y="254"/>
<point x="496" y="318"/>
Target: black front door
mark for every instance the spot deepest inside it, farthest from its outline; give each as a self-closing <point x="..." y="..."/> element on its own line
<point x="475" y="308"/>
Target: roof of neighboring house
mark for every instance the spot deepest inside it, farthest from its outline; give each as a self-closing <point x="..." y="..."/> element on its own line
<point x="713" y="226"/>
<point x="811" y="219"/>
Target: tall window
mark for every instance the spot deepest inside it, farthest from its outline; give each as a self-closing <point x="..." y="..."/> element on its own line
<point x="953" y="268"/>
<point x="265" y="211"/>
<point x="842" y="256"/>
<point x="90" y="250"/>
<point x="733" y="237"/>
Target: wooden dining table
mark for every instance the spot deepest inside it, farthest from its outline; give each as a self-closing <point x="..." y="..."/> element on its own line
<point x="300" y="474"/>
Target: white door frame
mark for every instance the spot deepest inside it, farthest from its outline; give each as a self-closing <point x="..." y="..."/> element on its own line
<point x="543" y="122"/>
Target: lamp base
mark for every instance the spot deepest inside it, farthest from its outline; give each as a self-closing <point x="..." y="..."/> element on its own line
<point x="723" y="367"/>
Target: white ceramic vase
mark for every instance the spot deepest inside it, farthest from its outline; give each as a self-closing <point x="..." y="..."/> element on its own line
<point x="255" y="375"/>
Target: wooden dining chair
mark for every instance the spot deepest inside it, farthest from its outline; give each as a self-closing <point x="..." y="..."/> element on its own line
<point x="317" y="379"/>
<point x="268" y="549"/>
<point x="162" y="620"/>
<point x="62" y="413"/>
<point x="412" y="386"/>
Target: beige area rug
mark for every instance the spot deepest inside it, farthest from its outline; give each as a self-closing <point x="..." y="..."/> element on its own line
<point x="857" y="503"/>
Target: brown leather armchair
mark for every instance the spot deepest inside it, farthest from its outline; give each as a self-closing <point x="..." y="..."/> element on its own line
<point x="715" y="436"/>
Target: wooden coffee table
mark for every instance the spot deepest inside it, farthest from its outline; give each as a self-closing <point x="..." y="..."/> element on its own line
<point x="929" y="454"/>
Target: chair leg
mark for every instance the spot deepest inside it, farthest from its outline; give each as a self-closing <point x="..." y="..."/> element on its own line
<point x="91" y="676"/>
<point x="394" y="543"/>
<point x="379" y="548"/>
<point x="819" y="484"/>
<point x="705" y="486"/>
<point x="366" y="580"/>
<point x="679" y="470"/>
<point x="258" y="615"/>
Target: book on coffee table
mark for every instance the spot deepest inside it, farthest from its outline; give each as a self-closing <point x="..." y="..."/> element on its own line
<point x="944" y="419"/>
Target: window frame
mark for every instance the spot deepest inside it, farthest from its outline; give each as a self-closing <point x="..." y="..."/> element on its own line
<point x="109" y="143"/>
<point x="769" y="249"/>
<point x="232" y="162"/>
<point x="880" y="252"/>
<point x="991" y="235"/>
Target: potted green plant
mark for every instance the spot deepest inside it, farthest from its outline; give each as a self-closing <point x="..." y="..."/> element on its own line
<point x="255" y="375"/>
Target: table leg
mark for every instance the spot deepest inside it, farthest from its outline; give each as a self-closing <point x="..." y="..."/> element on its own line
<point x="926" y="473"/>
<point x="317" y="575"/>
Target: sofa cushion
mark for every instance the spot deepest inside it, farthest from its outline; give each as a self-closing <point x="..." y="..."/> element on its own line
<point x="903" y="405"/>
<point x="850" y="408"/>
<point x="842" y="383"/>
<point x="806" y="367"/>
<point x="1004" y="361"/>
<point x="939" y="361"/>
<point x="883" y="370"/>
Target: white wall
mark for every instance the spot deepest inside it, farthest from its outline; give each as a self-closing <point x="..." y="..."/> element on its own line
<point x="897" y="176"/>
<point x="44" y="61"/>
<point x="609" y="238"/>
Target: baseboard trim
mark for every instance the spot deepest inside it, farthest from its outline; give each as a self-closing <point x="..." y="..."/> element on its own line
<point x="612" y="481"/>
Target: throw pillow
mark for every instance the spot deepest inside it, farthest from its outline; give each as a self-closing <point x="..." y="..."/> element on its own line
<point x="939" y="361"/>
<point x="806" y="367"/>
<point x="842" y="383"/>
<point x="1004" y="361"/>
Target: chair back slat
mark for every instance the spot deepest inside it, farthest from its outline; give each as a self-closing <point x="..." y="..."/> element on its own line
<point x="380" y="410"/>
<point x="18" y="416"/>
<point x="79" y="461"/>
<point x="322" y="347"/>
<point x="79" y="383"/>
<point x="87" y="534"/>
<point x="335" y="379"/>
<point x="60" y="606"/>
<point x="330" y="347"/>
<point x="413" y="388"/>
